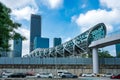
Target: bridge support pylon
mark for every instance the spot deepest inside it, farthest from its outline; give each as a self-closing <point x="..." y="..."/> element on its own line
<point x="95" y="60"/>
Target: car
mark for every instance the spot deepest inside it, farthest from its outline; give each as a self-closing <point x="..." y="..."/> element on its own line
<point x="6" y="74"/>
<point x="68" y="75"/>
<point x="115" y="77"/>
<point x="44" y="75"/>
<point x="59" y="72"/>
<point x="100" y="75"/>
<point x="30" y="74"/>
<point x="17" y="75"/>
<point x="108" y="75"/>
<point x="88" y="75"/>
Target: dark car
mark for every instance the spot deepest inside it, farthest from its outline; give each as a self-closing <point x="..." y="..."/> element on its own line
<point x="68" y="75"/>
<point x="17" y="75"/>
<point x="115" y="77"/>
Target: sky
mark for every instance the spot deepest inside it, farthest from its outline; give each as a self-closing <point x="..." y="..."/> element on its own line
<point x="65" y="18"/>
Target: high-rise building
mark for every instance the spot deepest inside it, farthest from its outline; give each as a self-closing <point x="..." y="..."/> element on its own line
<point x="57" y="41"/>
<point x="17" y="48"/>
<point x="41" y="42"/>
<point x="117" y="50"/>
<point x="35" y="29"/>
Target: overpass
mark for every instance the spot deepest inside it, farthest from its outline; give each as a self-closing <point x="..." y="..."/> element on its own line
<point x="109" y="40"/>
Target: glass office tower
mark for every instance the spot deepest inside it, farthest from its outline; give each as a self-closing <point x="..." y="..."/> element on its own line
<point x="41" y="42"/>
<point x="17" y="48"/>
<point x="57" y="41"/>
<point x="117" y="50"/>
<point x="35" y="29"/>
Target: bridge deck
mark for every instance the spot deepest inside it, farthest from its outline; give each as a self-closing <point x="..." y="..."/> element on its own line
<point x="110" y="40"/>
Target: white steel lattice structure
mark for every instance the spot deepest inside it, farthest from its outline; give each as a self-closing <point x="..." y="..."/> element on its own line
<point x="75" y="46"/>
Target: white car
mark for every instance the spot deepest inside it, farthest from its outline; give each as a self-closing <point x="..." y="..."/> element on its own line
<point x="88" y="75"/>
<point x="44" y="75"/>
<point x="108" y="75"/>
<point x="68" y="75"/>
<point x="59" y="72"/>
<point x="6" y="74"/>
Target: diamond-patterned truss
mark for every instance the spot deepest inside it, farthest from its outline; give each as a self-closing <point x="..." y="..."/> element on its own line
<point x="75" y="46"/>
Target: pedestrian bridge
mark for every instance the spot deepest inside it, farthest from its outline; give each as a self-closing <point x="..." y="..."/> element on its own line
<point x="73" y="47"/>
<point x="109" y="40"/>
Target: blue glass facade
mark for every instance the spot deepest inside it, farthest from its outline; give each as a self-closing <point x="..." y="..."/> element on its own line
<point x="41" y="42"/>
<point x="117" y="50"/>
<point x="17" y="48"/>
<point x="35" y="29"/>
<point x="57" y="41"/>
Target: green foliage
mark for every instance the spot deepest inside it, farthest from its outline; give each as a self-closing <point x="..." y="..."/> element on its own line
<point x="7" y="28"/>
<point x="102" y="54"/>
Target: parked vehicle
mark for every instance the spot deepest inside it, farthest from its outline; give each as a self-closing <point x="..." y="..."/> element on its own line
<point x="17" y="75"/>
<point x="115" y="77"/>
<point x="108" y="75"/>
<point x="68" y="75"/>
<point x="88" y="75"/>
<point x="29" y="74"/>
<point x="100" y="75"/>
<point x="6" y="74"/>
<point x="44" y="75"/>
<point x="59" y="72"/>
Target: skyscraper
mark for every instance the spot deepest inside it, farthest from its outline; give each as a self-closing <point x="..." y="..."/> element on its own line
<point x="41" y="42"/>
<point x="117" y="50"/>
<point x="17" y="48"/>
<point x="57" y="41"/>
<point x="35" y="29"/>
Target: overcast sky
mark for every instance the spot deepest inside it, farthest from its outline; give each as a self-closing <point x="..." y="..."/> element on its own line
<point x="65" y="18"/>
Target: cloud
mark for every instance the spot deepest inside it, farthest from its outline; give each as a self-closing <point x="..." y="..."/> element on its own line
<point x="67" y="39"/>
<point x="25" y="44"/>
<point x="83" y="6"/>
<point x="93" y="17"/>
<point x="110" y="3"/>
<point x="24" y="13"/>
<point x="21" y="9"/>
<point x="18" y="3"/>
<point x="53" y="4"/>
<point x="73" y="18"/>
<point x="108" y="16"/>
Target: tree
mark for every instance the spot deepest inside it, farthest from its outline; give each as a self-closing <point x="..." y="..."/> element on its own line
<point x="102" y="54"/>
<point x="7" y="28"/>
